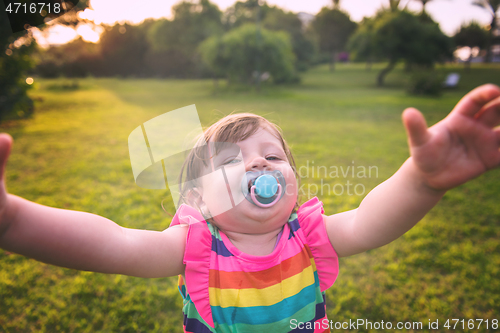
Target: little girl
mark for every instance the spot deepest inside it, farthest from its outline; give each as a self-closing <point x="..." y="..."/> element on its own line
<point x="264" y="263"/>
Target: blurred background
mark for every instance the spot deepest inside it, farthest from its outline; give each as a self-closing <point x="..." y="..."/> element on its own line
<point x="245" y="42"/>
<point x="334" y="75"/>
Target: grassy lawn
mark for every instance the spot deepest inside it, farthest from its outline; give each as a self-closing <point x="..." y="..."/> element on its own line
<point x="73" y="154"/>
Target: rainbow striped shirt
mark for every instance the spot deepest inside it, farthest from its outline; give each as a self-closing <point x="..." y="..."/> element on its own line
<point x="231" y="291"/>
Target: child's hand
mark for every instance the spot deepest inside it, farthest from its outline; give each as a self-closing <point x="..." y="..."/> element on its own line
<point x="5" y="146"/>
<point x="460" y="147"/>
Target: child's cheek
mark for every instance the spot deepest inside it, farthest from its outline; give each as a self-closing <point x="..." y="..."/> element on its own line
<point x="235" y="174"/>
<point x="215" y="194"/>
<point x="222" y="188"/>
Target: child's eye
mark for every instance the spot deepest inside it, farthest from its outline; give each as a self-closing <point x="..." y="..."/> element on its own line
<point x="272" y="158"/>
<point x="231" y="161"/>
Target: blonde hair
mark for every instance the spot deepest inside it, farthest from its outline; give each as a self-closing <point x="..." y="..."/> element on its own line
<point x="231" y="129"/>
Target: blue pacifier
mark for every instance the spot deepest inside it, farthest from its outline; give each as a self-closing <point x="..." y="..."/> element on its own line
<point x="263" y="188"/>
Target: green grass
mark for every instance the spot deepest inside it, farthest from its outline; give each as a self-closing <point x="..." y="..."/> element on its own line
<point x="73" y="154"/>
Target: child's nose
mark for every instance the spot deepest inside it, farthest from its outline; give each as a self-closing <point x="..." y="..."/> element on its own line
<point x="258" y="163"/>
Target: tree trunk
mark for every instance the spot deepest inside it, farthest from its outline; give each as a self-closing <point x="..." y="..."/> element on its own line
<point x="384" y="72"/>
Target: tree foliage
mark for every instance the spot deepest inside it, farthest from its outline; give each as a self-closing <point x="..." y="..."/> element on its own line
<point x="121" y="51"/>
<point x="492" y="6"/>
<point x="471" y="35"/>
<point x="302" y="45"/>
<point x="170" y="47"/>
<point x="424" y="3"/>
<point x="123" y="48"/>
<point x="174" y="43"/>
<point x="394" y="5"/>
<point x="239" y="53"/>
<point x="15" y="61"/>
<point x="158" y="48"/>
<point x="362" y="42"/>
<point x="333" y="28"/>
<point x="276" y="19"/>
<point x="74" y="59"/>
<point x="402" y="36"/>
<point x="192" y="24"/>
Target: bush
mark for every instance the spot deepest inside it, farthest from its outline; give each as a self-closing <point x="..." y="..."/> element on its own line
<point x="240" y="52"/>
<point x="425" y="83"/>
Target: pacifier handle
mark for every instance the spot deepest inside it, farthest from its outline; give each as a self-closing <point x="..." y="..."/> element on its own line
<point x="255" y="201"/>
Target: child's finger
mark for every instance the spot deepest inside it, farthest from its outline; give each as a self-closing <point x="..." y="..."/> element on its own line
<point x="490" y="113"/>
<point x="416" y="127"/>
<point x="497" y="132"/>
<point x="471" y="103"/>
<point x="5" y="146"/>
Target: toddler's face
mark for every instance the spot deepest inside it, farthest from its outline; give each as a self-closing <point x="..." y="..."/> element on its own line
<point x="221" y="191"/>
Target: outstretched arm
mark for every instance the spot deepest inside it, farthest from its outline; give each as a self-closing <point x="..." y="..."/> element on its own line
<point x="84" y="241"/>
<point x="460" y="147"/>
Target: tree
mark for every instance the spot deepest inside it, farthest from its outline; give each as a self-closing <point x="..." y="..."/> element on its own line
<point x="174" y="44"/>
<point x="235" y="54"/>
<point x="333" y="28"/>
<point x="74" y="59"/>
<point x="394" y="5"/>
<point x="192" y="23"/>
<point x="272" y="18"/>
<point x="403" y="36"/>
<point x="423" y="2"/>
<point x="243" y="12"/>
<point x="278" y="20"/>
<point x="123" y="49"/>
<point x="15" y="60"/>
<point x="471" y="35"/>
<point x="492" y="6"/>
<point x="362" y="42"/>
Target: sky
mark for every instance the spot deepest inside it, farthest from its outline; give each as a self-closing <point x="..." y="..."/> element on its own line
<point x="450" y="14"/>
